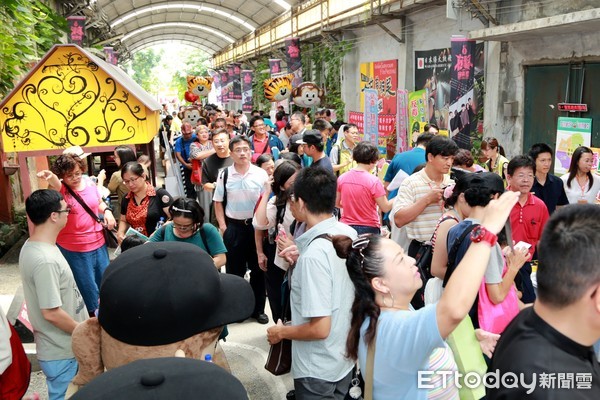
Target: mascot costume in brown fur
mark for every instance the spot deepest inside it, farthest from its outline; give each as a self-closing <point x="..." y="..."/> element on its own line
<point x="159" y="300"/>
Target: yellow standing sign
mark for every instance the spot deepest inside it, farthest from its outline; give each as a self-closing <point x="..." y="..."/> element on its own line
<point x="72" y="97"/>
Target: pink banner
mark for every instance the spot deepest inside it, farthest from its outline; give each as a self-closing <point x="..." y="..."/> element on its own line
<point x="402" y="121"/>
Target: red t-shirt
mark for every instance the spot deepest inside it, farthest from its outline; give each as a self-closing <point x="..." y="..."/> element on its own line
<point x="260" y="147"/>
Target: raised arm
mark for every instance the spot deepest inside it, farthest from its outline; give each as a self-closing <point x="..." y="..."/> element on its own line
<point x="462" y="288"/>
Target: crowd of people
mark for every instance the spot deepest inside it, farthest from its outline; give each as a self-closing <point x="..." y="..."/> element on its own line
<point x="514" y="252"/>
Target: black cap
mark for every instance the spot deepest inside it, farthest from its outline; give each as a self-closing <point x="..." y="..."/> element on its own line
<point x="161" y="293"/>
<point x="312" y="136"/>
<point x="164" y="379"/>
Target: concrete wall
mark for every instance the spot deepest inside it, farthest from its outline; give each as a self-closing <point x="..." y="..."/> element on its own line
<point x="426" y="29"/>
<point x="505" y="70"/>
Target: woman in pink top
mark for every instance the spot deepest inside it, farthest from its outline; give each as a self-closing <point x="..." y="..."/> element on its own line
<point x="81" y="241"/>
<point x="360" y="192"/>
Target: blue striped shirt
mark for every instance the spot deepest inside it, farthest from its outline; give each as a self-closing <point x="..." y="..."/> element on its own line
<point x="243" y="191"/>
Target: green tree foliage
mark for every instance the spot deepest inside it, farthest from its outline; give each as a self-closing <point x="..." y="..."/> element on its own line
<point x="326" y="68"/>
<point x="143" y="63"/>
<point x="261" y="72"/>
<point x="195" y="63"/>
<point x="28" y="29"/>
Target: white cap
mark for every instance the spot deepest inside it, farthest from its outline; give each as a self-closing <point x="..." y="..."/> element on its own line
<point x="76" y="151"/>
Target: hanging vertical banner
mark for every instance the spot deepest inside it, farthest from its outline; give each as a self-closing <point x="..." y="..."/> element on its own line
<point x="216" y="83"/>
<point x="294" y="62"/>
<point x="247" y="76"/>
<point x="224" y="88"/>
<point x="230" y="79"/>
<point x="237" y="84"/>
<point x="111" y="56"/>
<point x="76" y="29"/>
<point x="402" y="121"/>
<point x="370" y="120"/>
<point x="383" y="77"/>
<point x="275" y="66"/>
<point x="417" y="114"/>
<point x="462" y="106"/>
<point x="570" y="134"/>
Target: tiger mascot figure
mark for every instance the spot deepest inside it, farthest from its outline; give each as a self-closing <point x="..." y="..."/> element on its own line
<point x="278" y="89"/>
<point x="198" y="86"/>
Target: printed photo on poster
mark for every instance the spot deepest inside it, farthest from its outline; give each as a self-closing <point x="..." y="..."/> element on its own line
<point x="460" y="116"/>
<point x="432" y="72"/>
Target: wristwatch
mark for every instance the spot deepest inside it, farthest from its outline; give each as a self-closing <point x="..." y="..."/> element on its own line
<point x="480" y="234"/>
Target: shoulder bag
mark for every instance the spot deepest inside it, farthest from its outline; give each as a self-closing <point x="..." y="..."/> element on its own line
<point x="110" y="238"/>
<point x="279" y="360"/>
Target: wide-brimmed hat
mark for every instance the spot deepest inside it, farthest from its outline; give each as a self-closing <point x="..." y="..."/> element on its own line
<point x="161" y="293"/>
<point x="164" y="379"/>
<point x="76" y="151"/>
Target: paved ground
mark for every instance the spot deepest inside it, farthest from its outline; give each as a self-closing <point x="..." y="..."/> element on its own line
<point x="246" y="347"/>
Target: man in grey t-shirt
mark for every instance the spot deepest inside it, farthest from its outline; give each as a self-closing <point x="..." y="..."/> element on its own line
<point x="54" y="304"/>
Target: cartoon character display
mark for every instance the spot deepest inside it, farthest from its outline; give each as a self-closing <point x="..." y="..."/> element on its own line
<point x="279" y="88"/>
<point x="192" y="114"/>
<point x="198" y="86"/>
<point x="307" y="94"/>
<point x="159" y="300"/>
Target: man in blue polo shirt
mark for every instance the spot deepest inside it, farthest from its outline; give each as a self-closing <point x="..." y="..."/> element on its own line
<point x="547" y="187"/>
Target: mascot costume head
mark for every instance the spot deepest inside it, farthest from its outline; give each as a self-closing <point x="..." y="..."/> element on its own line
<point x="192" y="115"/>
<point x="159" y="300"/>
<point x="307" y="94"/>
<point x="279" y="88"/>
<point x="198" y="86"/>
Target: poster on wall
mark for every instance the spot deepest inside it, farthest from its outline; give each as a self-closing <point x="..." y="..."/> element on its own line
<point x="383" y="77"/>
<point x="247" y="76"/>
<point x="402" y="121"/>
<point x="596" y="164"/>
<point x="437" y="71"/>
<point x="417" y="114"/>
<point x="570" y="134"/>
<point x="432" y="72"/>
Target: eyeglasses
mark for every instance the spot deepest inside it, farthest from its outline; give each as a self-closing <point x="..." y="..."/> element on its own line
<point x="130" y="181"/>
<point x="74" y="175"/>
<point x="259" y="126"/>
<point x="66" y="210"/>
<point x="183" y="228"/>
<point x="240" y="150"/>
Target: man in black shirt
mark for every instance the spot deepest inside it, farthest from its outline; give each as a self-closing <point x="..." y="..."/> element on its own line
<point x="214" y="163"/>
<point x="314" y="147"/>
<point x="546" y="186"/>
<point x="549" y="346"/>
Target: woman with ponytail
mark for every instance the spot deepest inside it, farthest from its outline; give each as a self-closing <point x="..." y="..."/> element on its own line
<point x="408" y="341"/>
